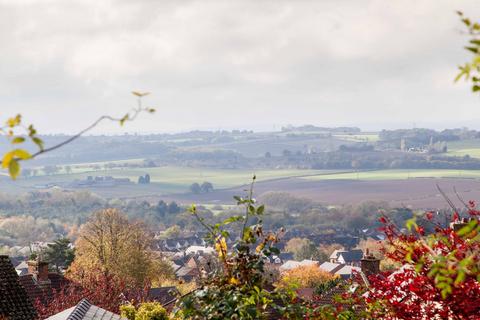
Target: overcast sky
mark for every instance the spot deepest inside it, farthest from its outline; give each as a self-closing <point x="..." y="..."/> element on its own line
<point x="235" y="64"/>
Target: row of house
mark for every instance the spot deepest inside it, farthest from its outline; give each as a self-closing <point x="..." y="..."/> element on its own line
<point x="343" y="263"/>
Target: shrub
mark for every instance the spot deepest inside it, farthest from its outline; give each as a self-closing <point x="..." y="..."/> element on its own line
<point x="146" y="311"/>
<point x="304" y="277"/>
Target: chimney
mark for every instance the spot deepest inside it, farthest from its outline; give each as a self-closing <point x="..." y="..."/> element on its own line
<point x="370" y="264"/>
<point x="39" y="270"/>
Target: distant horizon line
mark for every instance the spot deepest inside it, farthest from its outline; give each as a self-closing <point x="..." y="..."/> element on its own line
<point x="254" y="130"/>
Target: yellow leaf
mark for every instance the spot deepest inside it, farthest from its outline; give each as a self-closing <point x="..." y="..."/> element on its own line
<point x="12" y="122"/>
<point x="125" y="118"/>
<point x="22" y="154"/>
<point x="14" y="168"/>
<point x="6" y="159"/>
<point x="260" y="247"/>
<point x="234" y="280"/>
<point x="221" y="247"/>
<point x="140" y="94"/>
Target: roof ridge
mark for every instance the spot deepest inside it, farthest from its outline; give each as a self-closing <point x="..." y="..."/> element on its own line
<point x="80" y="310"/>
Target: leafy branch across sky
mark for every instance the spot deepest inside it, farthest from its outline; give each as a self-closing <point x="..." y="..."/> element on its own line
<point x="17" y="133"/>
<point x="470" y="71"/>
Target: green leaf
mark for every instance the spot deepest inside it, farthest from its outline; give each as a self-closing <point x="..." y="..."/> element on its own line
<point x="472" y="49"/>
<point x="225" y="233"/>
<point x="274" y="250"/>
<point x="38" y="142"/>
<point x="411" y="223"/>
<point x="460" y="278"/>
<point x="18" y="140"/>
<point x="14" y="168"/>
<point x="475" y="88"/>
<point x="468" y="228"/>
<point x="466" y="21"/>
<point x="124" y="118"/>
<point x="31" y="131"/>
<point x="232" y="219"/>
<point x="261" y="209"/>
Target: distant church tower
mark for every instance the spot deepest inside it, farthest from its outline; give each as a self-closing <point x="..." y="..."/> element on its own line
<point x="402" y="144"/>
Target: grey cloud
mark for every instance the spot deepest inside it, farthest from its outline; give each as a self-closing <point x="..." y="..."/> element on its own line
<point x="214" y="64"/>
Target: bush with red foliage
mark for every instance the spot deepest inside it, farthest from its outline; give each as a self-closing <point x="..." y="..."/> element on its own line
<point x="103" y="290"/>
<point x="440" y="273"/>
<point x="439" y="277"/>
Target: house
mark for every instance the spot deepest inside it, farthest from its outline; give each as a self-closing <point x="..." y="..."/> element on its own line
<point x="292" y="264"/>
<point x="369" y="265"/>
<point x="186" y="273"/>
<point x="199" y="250"/>
<point x="14" y="301"/>
<point x="39" y="283"/>
<point x="342" y="270"/>
<point x="330" y="267"/>
<point x="350" y="257"/>
<point x="84" y="310"/>
<point x="22" y="268"/>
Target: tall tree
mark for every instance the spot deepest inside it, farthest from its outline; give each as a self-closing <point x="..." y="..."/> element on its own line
<point x="173" y="208"/>
<point x="113" y="244"/>
<point x="60" y="253"/>
<point x="195" y="188"/>
<point x="206" y="187"/>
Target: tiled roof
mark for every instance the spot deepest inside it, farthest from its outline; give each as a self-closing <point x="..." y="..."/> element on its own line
<point x="335" y="254"/>
<point x="14" y="302"/>
<point x="84" y="310"/>
<point x="291" y="264"/>
<point x="164" y="295"/>
<point x="331" y="267"/>
<point x="352" y="255"/>
<point x="44" y="293"/>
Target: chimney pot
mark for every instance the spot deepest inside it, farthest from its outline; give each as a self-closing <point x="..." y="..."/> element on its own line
<point x="370" y="264"/>
<point x="39" y="270"/>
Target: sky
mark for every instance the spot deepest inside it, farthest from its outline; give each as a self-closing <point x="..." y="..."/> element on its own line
<point x="235" y="64"/>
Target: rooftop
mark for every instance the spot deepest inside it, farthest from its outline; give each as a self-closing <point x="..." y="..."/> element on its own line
<point x="84" y="310"/>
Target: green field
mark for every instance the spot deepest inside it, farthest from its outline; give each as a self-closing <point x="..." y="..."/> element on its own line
<point x="464" y="147"/>
<point x="164" y="180"/>
<point x="398" y="174"/>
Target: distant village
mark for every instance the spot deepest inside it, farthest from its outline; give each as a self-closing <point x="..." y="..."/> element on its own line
<point x="33" y="279"/>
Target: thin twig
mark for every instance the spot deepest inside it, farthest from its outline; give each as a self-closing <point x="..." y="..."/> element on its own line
<point x="250" y="196"/>
<point x="447" y="199"/>
<point x="460" y="198"/>
<point x="90" y="127"/>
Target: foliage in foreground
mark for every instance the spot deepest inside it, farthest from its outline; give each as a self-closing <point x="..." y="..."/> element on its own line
<point x="440" y="273"/>
<point x="238" y="288"/>
<point x="439" y="277"/>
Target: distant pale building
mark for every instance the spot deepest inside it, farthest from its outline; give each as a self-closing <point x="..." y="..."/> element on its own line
<point x="348" y="257"/>
<point x="292" y="264"/>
